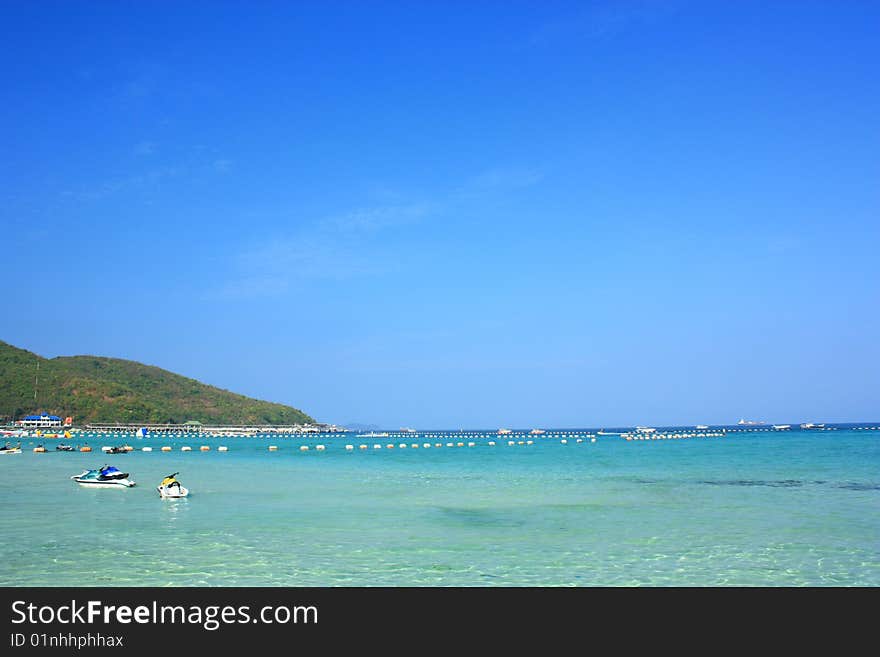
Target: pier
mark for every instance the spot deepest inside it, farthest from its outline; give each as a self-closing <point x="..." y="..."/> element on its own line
<point x="197" y="428"/>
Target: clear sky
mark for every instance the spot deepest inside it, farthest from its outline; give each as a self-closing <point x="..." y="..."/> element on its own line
<point x="454" y="214"/>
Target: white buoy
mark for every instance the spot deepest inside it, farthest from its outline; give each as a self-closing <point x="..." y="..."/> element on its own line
<point x="390" y="446"/>
<point x="491" y="443"/>
<point x="223" y="448"/>
<point x="510" y="442"/>
<point x="450" y="444"/>
<point x="303" y="448"/>
<point x="426" y="445"/>
<point x="349" y="448"/>
<point x="363" y="446"/>
<point x="204" y="448"/>
<point x="564" y="441"/>
<point x="415" y="445"/>
<point x="471" y="444"/>
<point x="186" y="448"/>
<point x="166" y="448"/>
<point x="320" y="448"/>
<point x="402" y="445"/>
<point x="146" y="449"/>
<point x="592" y="440"/>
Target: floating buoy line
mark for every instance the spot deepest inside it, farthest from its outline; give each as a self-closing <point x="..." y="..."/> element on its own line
<point x="428" y="440"/>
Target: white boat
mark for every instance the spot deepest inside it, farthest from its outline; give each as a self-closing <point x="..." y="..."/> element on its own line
<point x="6" y="449"/>
<point x="504" y="432"/>
<point x="106" y="477"/>
<point x="749" y="422"/>
<point x="537" y="432"/>
<point x="702" y="426"/>
<point x="645" y="429"/>
<point x="170" y="488"/>
<point x="811" y="425"/>
<point x="781" y="427"/>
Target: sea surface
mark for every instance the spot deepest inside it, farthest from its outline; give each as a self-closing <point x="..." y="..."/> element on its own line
<point x="758" y="508"/>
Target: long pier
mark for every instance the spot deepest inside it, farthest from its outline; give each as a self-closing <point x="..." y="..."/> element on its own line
<point x="230" y="430"/>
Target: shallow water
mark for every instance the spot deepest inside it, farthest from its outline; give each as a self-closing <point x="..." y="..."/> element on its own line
<point x="761" y="508"/>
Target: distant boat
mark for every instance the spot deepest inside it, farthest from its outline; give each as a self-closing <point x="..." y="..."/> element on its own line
<point x="702" y="426"/>
<point x="811" y="425"/>
<point x="645" y="429"/>
<point x="749" y="422"/>
<point x="781" y="427"/>
<point x="537" y="432"/>
<point x="407" y="430"/>
<point x="504" y="432"/>
<point x="373" y="434"/>
<point x="607" y="433"/>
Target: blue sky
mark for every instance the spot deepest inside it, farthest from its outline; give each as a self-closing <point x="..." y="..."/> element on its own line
<point x="454" y="214"/>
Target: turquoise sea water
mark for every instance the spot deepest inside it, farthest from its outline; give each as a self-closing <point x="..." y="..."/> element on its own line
<point x="761" y="508"/>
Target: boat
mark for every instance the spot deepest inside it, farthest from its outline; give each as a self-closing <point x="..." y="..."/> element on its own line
<point x="170" y="488"/>
<point x="781" y="427"/>
<point x="537" y="432"/>
<point x="64" y="448"/>
<point x="504" y="432"/>
<point x="702" y="426"/>
<point x="607" y="433"/>
<point x="811" y="425"/>
<point x="645" y="429"/>
<point x="106" y="477"/>
<point x="6" y="449"/>
<point x="373" y="434"/>
<point x="748" y="422"/>
<point x="119" y="449"/>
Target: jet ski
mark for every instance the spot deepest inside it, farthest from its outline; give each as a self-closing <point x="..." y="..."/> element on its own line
<point x="106" y="477"/>
<point x="64" y="448"/>
<point x="171" y="488"/>
<point x="114" y="450"/>
<point x="6" y="449"/>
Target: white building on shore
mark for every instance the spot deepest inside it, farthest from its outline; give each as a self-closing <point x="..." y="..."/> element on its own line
<point x="42" y="421"/>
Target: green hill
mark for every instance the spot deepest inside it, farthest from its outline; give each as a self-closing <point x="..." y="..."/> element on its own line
<point x="97" y="389"/>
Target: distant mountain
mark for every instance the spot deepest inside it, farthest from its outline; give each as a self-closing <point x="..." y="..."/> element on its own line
<point x="98" y="389"/>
